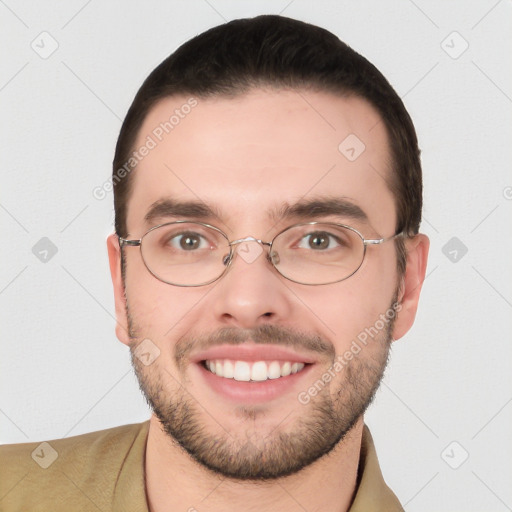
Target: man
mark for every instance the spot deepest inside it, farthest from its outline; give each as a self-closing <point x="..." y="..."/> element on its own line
<point x="267" y="189"/>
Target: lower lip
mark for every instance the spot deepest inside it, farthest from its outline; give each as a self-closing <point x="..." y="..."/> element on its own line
<point x="253" y="391"/>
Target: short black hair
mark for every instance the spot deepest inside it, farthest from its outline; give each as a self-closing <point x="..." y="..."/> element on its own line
<point x="278" y="52"/>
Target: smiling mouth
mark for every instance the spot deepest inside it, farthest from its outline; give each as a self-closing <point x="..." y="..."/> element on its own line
<point x="252" y="371"/>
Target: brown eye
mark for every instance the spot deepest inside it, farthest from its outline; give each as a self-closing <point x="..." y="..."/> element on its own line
<point x="319" y="240"/>
<point x="187" y="241"/>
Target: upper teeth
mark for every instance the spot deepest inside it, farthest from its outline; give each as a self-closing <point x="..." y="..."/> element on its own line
<point x="257" y="371"/>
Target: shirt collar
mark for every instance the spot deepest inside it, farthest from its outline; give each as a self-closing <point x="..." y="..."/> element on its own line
<point x="372" y="493"/>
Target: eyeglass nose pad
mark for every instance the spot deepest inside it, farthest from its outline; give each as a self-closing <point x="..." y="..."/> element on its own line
<point x="274" y="257"/>
<point x="226" y="259"/>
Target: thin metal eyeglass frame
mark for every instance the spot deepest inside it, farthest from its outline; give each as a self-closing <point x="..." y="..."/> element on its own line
<point x="366" y="241"/>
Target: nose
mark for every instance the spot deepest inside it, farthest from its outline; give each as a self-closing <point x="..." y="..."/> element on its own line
<point x="251" y="292"/>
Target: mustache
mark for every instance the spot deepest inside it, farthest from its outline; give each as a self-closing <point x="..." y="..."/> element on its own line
<point x="264" y="335"/>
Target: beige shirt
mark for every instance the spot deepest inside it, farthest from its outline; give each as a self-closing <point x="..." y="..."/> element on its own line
<point x="105" y="471"/>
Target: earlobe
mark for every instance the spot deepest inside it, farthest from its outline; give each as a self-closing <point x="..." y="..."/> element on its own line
<point x="114" y="256"/>
<point x="412" y="281"/>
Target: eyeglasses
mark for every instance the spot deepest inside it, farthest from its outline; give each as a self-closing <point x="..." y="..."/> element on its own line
<point x="184" y="253"/>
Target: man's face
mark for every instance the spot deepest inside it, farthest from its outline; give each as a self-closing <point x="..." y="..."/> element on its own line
<point x="244" y="158"/>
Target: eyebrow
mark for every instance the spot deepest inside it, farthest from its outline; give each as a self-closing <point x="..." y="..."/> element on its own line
<point x="173" y="208"/>
<point x="320" y="207"/>
<point x="303" y="209"/>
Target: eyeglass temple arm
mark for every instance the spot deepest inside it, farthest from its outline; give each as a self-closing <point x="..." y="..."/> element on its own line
<point x="124" y="241"/>
<point x="382" y="240"/>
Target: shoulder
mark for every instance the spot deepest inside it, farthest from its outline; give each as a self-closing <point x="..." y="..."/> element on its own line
<point x="77" y="469"/>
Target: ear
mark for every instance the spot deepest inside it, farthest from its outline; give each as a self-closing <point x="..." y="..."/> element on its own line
<point x="114" y="257"/>
<point x="409" y="296"/>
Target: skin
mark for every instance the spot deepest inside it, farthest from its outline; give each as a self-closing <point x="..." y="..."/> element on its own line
<point x="270" y="147"/>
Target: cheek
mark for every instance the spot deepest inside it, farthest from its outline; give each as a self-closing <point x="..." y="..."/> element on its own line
<point x="347" y="308"/>
<point x="158" y="310"/>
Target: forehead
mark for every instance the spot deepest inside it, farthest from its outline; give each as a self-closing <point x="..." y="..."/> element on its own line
<point x="251" y="156"/>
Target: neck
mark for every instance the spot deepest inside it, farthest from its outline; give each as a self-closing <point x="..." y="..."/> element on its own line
<point x="174" y="481"/>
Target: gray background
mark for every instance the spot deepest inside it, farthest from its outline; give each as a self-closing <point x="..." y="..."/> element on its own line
<point x="447" y="394"/>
